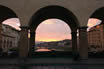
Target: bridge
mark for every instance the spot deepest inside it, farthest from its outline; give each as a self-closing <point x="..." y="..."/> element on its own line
<point x="31" y="13"/>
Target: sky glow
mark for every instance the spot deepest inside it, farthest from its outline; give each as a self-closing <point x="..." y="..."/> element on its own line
<point x="14" y="22"/>
<point x="51" y="29"/>
<point x="92" y="22"/>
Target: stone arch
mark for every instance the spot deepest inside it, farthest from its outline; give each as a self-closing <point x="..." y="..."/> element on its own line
<point x="50" y="12"/>
<point x="53" y="12"/>
<point x="98" y="14"/>
<point x="83" y="39"/>
<point x="6" y="13"/>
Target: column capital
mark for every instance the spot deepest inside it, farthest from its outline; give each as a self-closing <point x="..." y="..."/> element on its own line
<point x="84" y="27"/>
<point x="24" y="27"/>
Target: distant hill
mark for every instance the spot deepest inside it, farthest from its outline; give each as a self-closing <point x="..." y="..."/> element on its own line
<point x="65" y="40"/>
<point x="38" y="42"/>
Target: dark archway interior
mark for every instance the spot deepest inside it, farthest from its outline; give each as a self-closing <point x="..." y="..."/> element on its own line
<point x="54" y="12"/>
<point x="6" y="13"/>
<point x="51" y="12"/>
<point x="98" y="14"/>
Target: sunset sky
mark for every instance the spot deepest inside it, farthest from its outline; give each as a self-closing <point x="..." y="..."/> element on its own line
<point x="14" y="22"/>
<point x="51" y="29"/>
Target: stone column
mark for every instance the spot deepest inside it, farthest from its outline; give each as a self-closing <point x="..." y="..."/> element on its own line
<point x="32" y="42"/>
<point x="83" y="43"/>
<point x="74" y="44"/>
<point x="0" y="36"/>
<point x="23" y="44"/>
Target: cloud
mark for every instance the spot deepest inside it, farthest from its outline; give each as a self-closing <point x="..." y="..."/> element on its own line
<point x="56" y="30"/>
<point x="92" y="22"/>
<point x="48" y="22"/>
<point x="14" y="22"/>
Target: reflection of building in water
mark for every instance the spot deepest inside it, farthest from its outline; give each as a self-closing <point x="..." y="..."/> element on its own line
<point x="9" y="37"/>
<point x="96" y="37"/>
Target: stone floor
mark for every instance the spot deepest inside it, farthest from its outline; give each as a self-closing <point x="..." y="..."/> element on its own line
<point x="50" y="63"/>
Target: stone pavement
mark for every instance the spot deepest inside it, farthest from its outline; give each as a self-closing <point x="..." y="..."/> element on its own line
<point x="51" y="63"/>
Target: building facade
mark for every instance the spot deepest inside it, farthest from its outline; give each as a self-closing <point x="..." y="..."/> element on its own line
<point x="96" y="37"/>
<point x="10" y="37"/>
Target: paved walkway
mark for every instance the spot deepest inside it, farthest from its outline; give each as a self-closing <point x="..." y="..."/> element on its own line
<point x="51" y="63"/>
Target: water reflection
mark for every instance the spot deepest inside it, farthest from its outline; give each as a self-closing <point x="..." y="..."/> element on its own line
<point x="40" y="50"/>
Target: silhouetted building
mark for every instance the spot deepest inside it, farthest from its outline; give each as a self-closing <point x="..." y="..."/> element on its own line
<point x="64" y="45"/>
<point x="96" y="38"/>
<point x="10" y="37"/>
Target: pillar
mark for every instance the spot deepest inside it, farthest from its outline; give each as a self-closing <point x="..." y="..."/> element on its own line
<point x="31" y="42"/>
<point x="83" y="43"/>
<point x="23" y="44"/>
<point x="0" y="37"/>
<point x="74" y="44"/>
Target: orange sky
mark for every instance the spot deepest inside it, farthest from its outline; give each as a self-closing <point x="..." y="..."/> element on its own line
<point x="14" y="22"/>
<point x="92" y="22"/>
<point x="51" y="29"/>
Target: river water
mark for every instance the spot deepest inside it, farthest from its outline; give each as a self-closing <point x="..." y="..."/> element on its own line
<point x="39" y="50"/>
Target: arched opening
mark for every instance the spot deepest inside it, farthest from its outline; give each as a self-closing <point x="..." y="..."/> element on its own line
<point x="9" y="32"/>
<point x="53" y="35"/>
<point x="48" y="13"/>
<point x="96" y="34"/>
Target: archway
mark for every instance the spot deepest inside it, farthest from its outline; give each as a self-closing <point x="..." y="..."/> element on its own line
<point x="7" y="31"/>
<point x="96" y="34"/>
<point x="48" y="13"/>
<point x="53" y="35"/>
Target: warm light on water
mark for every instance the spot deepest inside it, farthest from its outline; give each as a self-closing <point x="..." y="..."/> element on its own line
<point x="40" y="50"/>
